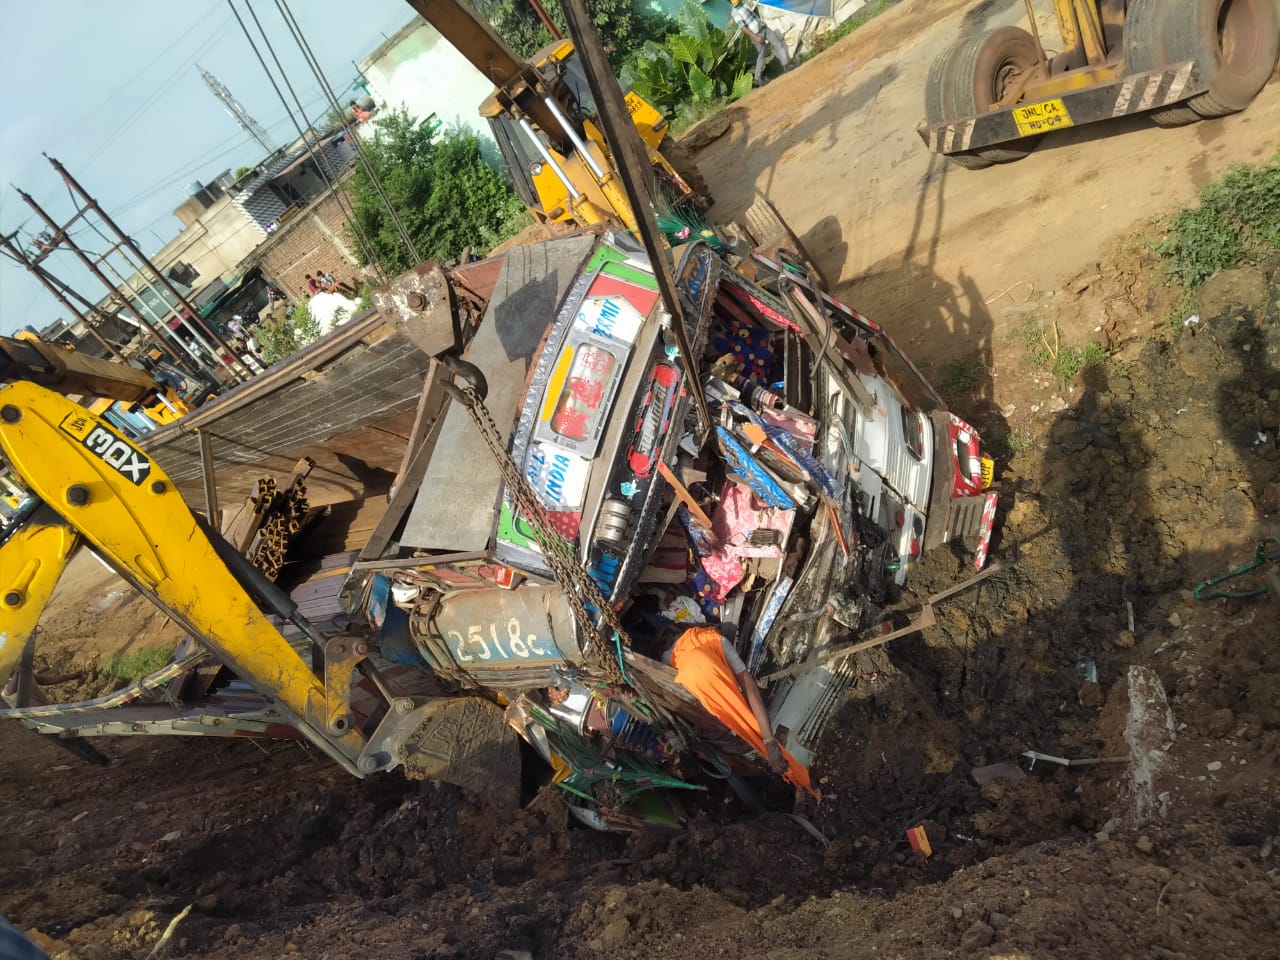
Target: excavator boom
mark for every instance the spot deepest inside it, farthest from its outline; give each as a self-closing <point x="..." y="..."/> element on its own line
<point x="73" y="372"/>
<point x="94" y="484"/>
<point x="518" y="83"/>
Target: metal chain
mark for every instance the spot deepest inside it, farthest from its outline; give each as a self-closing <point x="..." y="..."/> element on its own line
<point x="579" y="589"/>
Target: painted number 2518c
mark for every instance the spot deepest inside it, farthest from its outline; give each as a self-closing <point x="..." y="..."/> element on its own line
<point x="512" y="644"/>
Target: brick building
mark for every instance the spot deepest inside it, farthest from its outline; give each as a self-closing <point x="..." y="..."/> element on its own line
<point x="313" y="240"/>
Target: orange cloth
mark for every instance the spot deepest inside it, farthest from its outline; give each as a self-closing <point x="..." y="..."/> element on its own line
<point x="701" y="668"/>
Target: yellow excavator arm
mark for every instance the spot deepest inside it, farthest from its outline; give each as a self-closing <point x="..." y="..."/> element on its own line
<point x="31" y="561"/>
<point x="69" y="371"/>
<point x="572" y="169"/>
<point x="95" y="485"/>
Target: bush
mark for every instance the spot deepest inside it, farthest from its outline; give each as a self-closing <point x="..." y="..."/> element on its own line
<point x="624" y="25"/>
<point x="286" y="337"/>
<point x="1237" y="221"/>
<point x="444" y="192"/>
<point x="703" y="65"/>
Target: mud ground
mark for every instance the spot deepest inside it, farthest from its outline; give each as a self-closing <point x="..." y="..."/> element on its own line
<point x="1125" y="485"/>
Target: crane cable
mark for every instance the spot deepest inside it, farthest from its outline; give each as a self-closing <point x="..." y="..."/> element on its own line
<point x="366" y="162"/>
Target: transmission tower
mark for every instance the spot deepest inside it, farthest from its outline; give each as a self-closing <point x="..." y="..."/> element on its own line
<point x="238" y="112"/>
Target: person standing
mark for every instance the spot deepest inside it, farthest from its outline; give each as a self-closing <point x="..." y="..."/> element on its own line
<point x="763" y="37"/>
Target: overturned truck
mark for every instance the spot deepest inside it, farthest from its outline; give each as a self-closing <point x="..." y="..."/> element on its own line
<point x="575" y="489"/>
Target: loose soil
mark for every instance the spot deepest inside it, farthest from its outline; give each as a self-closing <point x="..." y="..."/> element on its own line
<point x="1123" y="487"/>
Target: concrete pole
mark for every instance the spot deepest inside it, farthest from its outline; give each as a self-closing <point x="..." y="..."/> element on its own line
<point x="17" y="254"/>
<point x="102" y="278"/>
<point x="125" y="290"/>
<point x="74" y="184"/>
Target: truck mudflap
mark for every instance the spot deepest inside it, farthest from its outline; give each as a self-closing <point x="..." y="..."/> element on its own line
<point x="1136" y="93"/>
<point x="970" y="518"/>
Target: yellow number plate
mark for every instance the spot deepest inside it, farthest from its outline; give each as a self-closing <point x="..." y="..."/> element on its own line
<point x="1042" y="117"/>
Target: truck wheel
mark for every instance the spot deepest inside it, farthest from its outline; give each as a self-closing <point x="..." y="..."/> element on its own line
<point x="938" y="106"/>
<point x="1178" y="116"/>
<point x="1235" y="42"/>
<point x="975" y="74"/>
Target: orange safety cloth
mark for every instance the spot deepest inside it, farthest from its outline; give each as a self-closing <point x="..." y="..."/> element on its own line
<point x="701" y="668"/>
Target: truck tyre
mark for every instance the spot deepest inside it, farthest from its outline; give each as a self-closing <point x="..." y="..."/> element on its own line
<point x="1177" y="116"/>
<point x="938" y="106"/>
<point x="1235" y="42"/>
<point x="972" y="76"/>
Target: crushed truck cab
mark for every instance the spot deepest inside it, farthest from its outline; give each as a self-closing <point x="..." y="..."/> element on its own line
<point x="557" y="415"/>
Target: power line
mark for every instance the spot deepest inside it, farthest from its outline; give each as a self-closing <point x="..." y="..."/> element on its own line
<point x="374" y="179"/>
<point x="149" y="65"/>
<point x="204" y="159"/>
<point x="348" y="214"/>
<point x="166" y="86"/>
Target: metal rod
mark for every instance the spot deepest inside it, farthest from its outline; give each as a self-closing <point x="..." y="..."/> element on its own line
<point x="574" y="138"/>
<point x="926" y="619"/>
<point x="996" y="567"/>
<point x="547" y="22"/>
<point x="1042" y="57"/>
<point x="210" y="478"/>
<point x="548" y="158"/>
<point x="630" y="159"/>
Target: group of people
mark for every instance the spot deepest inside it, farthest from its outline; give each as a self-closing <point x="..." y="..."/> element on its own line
<point x="322" y="282"/>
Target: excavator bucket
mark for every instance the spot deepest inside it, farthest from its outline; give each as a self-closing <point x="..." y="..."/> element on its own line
<point x="466" y="742"/>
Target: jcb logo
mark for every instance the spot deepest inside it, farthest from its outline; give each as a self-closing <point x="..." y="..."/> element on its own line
<point x="118" y="455"/>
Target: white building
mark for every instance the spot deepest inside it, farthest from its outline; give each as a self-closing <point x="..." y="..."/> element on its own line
<point x="418" y="70"/>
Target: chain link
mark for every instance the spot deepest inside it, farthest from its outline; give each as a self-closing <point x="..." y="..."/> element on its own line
<point x="579" y="589"/>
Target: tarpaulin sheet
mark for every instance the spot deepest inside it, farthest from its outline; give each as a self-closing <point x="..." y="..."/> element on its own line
<point x="804" y="8"/>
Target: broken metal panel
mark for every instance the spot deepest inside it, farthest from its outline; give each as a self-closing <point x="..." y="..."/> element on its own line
<point x="224" y="715"/>
<point x="463" y="481"/>
<point x="420" y="303"/>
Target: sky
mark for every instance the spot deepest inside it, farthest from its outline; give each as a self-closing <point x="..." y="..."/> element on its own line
<point x="112" y="91"/>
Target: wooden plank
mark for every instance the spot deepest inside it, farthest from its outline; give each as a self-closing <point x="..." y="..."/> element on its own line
<point x="423" y="419"/>
<point x="926" y="619"/>
<point x="237" y="520"/>
<point x="683" y="494"/>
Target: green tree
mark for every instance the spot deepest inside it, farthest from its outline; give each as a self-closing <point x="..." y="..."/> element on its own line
<point x="445" y="193"/>
<point x="624" y="25"/>
<point x="284" y="338"/>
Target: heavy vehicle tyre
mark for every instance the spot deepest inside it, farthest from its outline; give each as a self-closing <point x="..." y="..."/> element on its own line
<point x="1236" y="43"/>
<point x="971" y="77"/>
<point x="938" y="107"/>
<point x="999" y="60"/>
<point x="1178" y="116"/>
